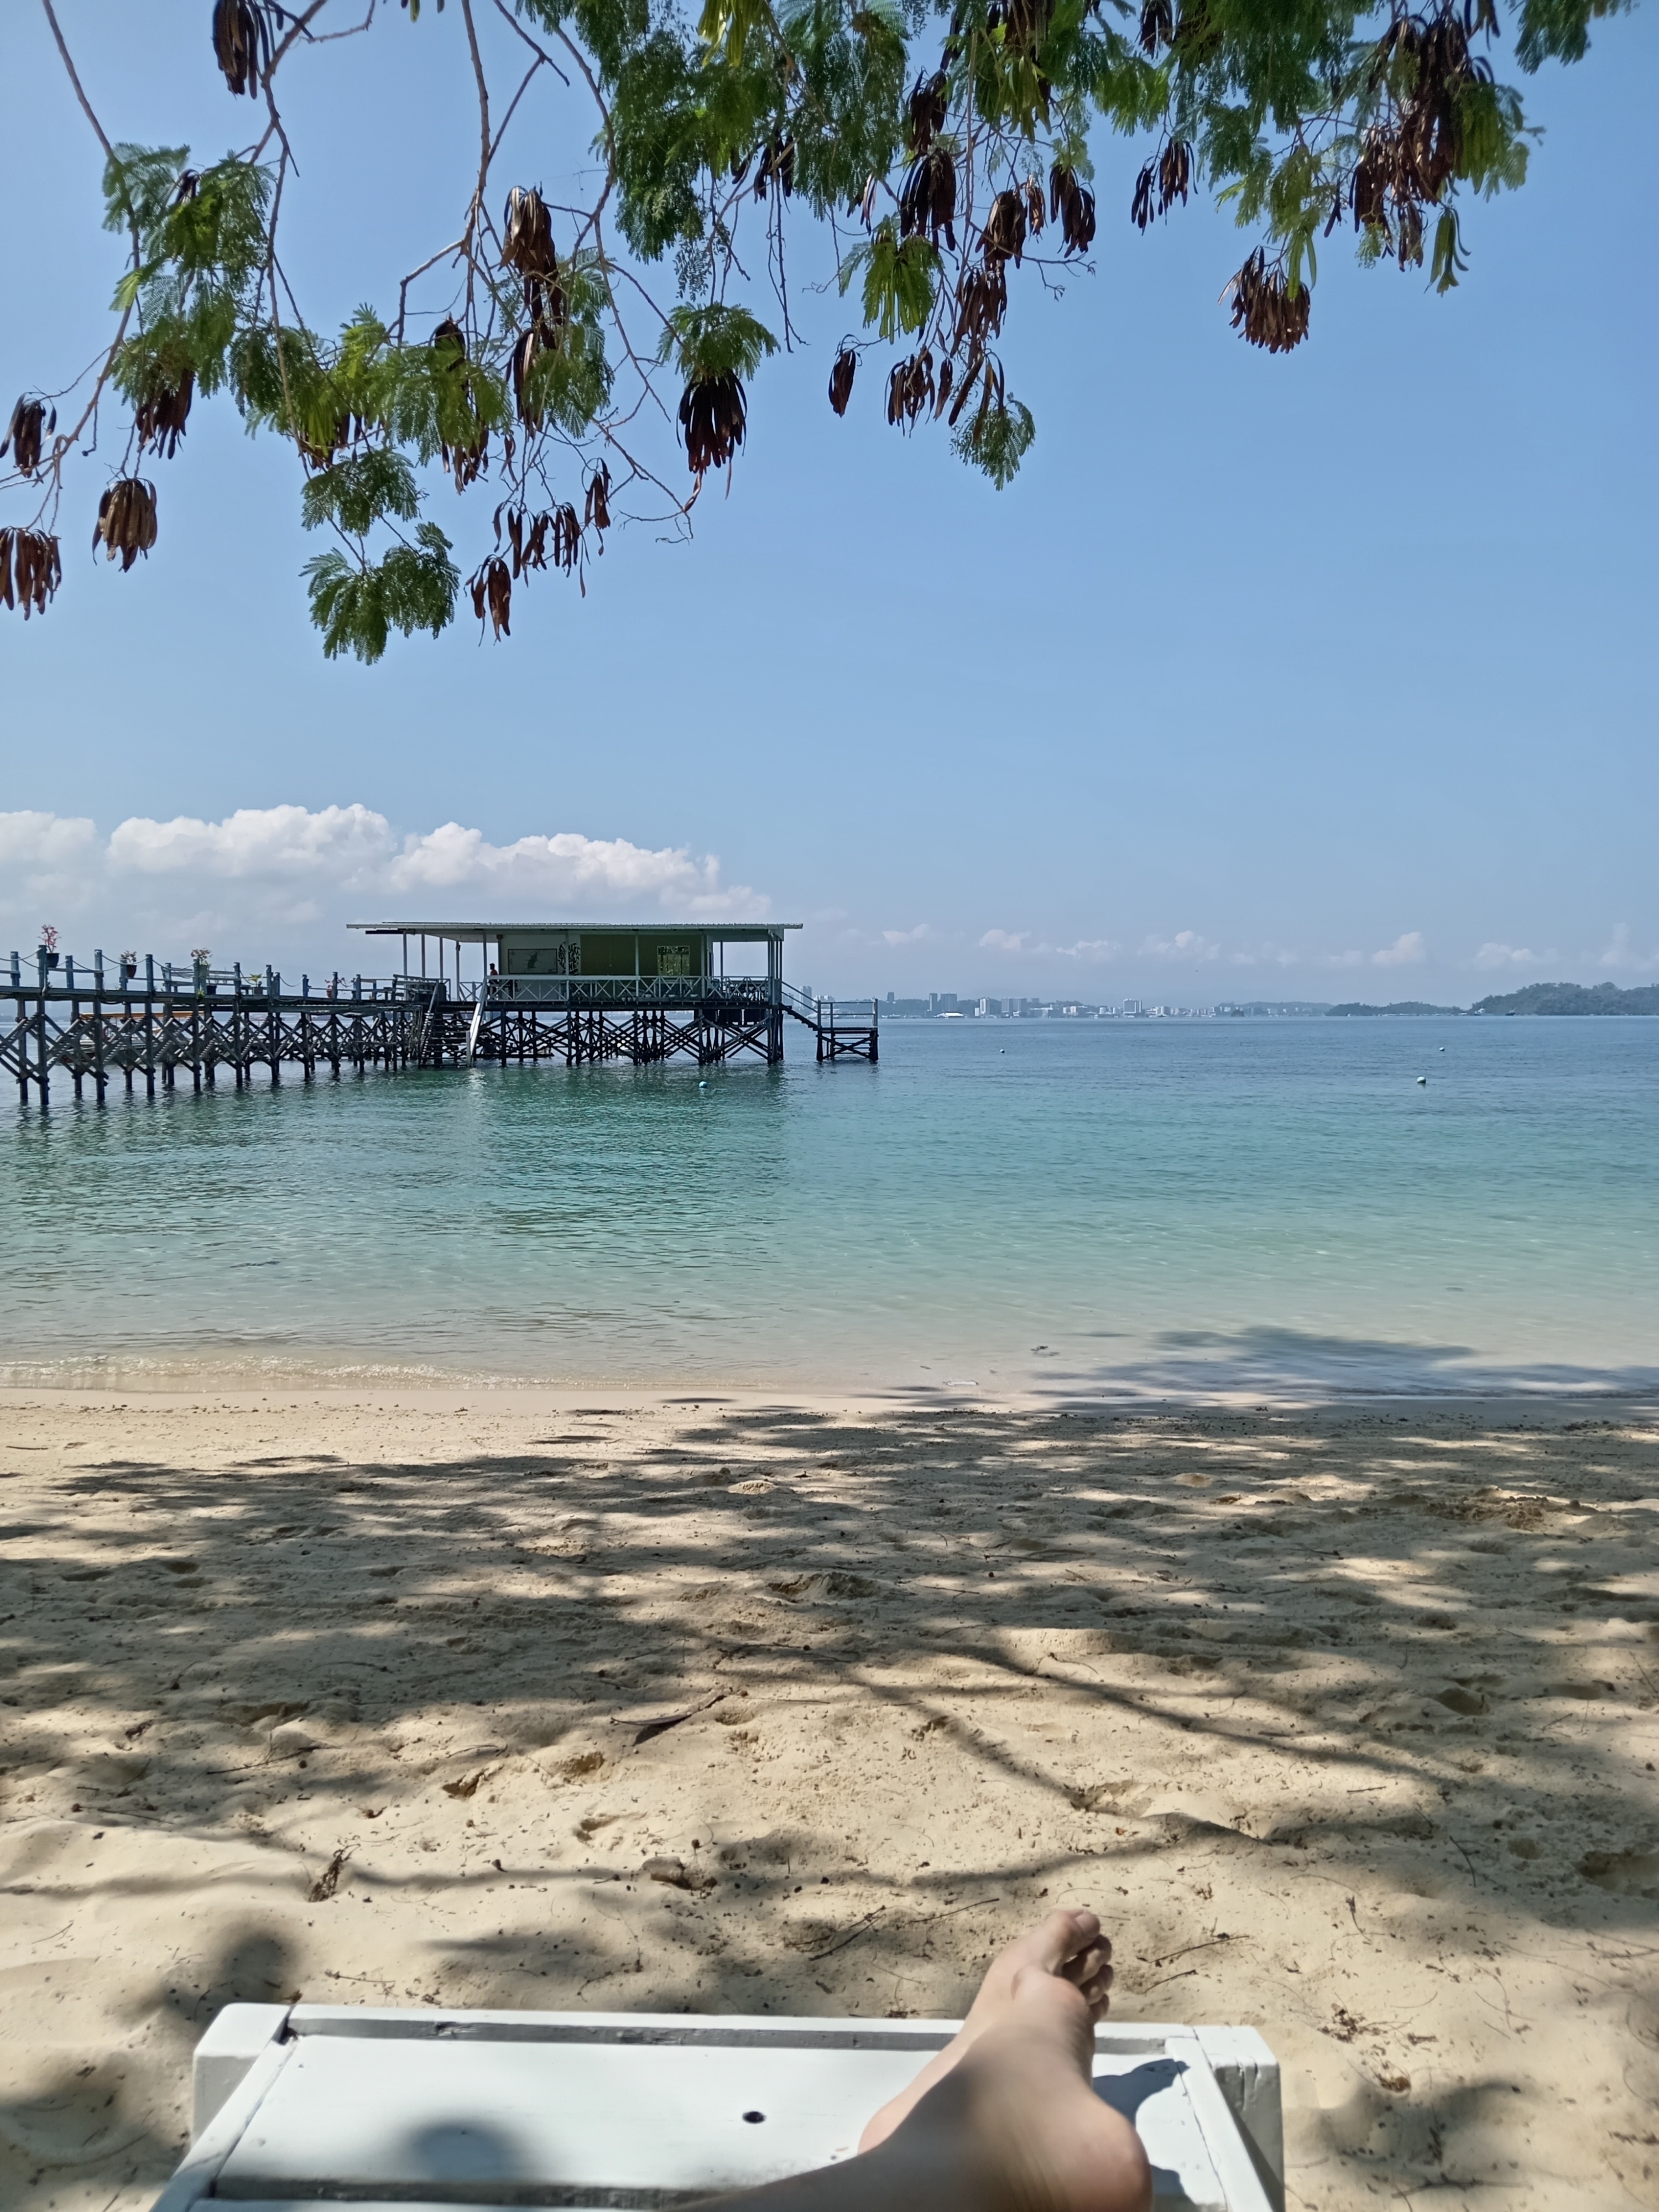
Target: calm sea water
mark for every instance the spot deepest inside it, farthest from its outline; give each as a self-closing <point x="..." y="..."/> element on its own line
<point x="1068" y="1208"/>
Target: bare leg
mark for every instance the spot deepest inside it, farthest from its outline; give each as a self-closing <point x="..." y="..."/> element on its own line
<point x="1067" y="1944"/>
<point x="1006" y="2120"/>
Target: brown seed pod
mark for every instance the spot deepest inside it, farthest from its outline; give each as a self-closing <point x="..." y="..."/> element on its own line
<point x="776" y="162"/>
<point x="927" y="198"/>
<point x="596" y="506"/>
<point x="492" y="594"/>
<point x="160" y="415"/>
<point x="1036" y="207"/>
<point x="526" y="353"/>
<point x="1263" y="308"/>
<point x="712" y="421"/>
<point x="1169" y="179"/>
<point x="1004" y="228"/>
<point x="527" y="246"/>
<point x="126" y="520"/>
<point x="1024" y="24"/>
<point x="981" y="299"/>
<point x="841" y="373"/>
<point x="909" y="389"/>
<point x="1157" y="25"/>
<point x="527" y="234"/>
<point x="31" y="424"/>
<point x="929" y="108"/>
<point x="946" y="376"/>
<point x="30" y="569"/>
<point x="1072" y="206"/>
<point x="242" y="43"/>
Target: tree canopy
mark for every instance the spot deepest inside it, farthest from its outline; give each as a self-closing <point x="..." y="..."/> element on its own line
<point x="550" y="357"/>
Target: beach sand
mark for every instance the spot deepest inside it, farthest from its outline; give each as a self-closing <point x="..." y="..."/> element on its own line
<point x="1345" y="1719"/>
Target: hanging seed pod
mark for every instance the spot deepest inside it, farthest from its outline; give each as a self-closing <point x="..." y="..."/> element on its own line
<point x="30" y="569"/>
<point x="711" y="420"/>
<point x="596" y="503"/>
<point x="242" y="44"/>
<point x="492" y="595"/>
<point x="595" y="507"/>
<point x="929" y="108"/>
<point x="1024" y="23"/>
<point x="1263" y="308"/>
<point x="1157" y="25"/>
<point x="1004" y="228"/>
<point x="526" y="353"/>
<point x="841" y="373"/>
<point x="126" y="520"/>
<point x="981" y="300"/>
<point x="778" y="162"/>
<point x="1072" y="206"/>
<point x="909" y="389"/>
<point x="31" y="424"/>
<point x="160" y="417"/>
<point x="514" y="517"/>
<point x="1036" y="207"/>
<point x="928" y="199"/>
<point x="565" y="529"/>
<point x="946" y="376"/>
<point x="449" y="339"/>
<point x="1175" y="174"/>
<point x="527" y="235"/>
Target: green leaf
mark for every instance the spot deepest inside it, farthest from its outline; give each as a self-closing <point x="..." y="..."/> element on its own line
<point x="356" y="607"/>
<point x="361" y="490"/>
<point x="715" y="341"/>
<point x="997" y="440"/>
<point x="899" y="279"/>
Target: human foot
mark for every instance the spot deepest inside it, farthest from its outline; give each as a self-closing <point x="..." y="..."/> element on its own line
<point x="1014" y="2125"/>
<point x="1067" y="1946"/>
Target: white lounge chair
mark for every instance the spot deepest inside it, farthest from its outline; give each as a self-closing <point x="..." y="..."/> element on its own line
<point x="309" y="2105"/>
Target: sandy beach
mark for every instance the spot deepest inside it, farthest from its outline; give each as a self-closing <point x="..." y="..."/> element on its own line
<point x="1345" y="1719"/>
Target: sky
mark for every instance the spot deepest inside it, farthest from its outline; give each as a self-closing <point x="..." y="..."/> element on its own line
<point x="1328" y="676"/>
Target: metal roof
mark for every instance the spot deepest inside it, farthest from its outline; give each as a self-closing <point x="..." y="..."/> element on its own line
<point x="486" y="932"/>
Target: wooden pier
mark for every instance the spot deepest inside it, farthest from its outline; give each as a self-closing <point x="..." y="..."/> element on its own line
<point x="150" y="1022"/>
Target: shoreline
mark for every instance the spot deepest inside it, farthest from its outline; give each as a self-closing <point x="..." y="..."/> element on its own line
<point x="1635" y="1402"/>
<point x="1345" y="1717"/>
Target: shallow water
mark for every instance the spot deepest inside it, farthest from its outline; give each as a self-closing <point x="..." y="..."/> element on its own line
<point x="1133" y="1207"/>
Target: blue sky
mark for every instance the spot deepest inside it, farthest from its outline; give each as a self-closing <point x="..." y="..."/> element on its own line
<point x="1327" y="676"/>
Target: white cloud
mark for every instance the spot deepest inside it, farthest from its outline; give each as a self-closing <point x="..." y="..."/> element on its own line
<point x="919" y="935"/>
<point x="45" y="858"/>
<point x="1022" y="943"/>
<point x="1185" y="945"/>
<point x="1508" y="957"/>
<point x="308" y="871"/>
<point x="1406" y="951"/>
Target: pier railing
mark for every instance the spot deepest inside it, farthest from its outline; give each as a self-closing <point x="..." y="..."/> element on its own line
<point x="126" y="1019"/>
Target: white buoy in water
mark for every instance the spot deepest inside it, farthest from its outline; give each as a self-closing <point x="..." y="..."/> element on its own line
<point x="703" y="1086"/>
<point x="1423" y="1079"/>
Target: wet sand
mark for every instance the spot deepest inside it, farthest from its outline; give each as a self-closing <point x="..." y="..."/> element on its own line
<point x="1347" y="1719"/>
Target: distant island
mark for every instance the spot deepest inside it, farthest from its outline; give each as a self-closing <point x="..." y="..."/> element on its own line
<point x="1573" y="999"/>
<point x="1534" y="998"/>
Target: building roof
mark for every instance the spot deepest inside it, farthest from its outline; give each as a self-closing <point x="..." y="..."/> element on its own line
<point x="486" y="932"/>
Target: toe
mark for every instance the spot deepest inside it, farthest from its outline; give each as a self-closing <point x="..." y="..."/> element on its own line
<point x="1063" y="1938"/>
<point x="1086" y="1962"/>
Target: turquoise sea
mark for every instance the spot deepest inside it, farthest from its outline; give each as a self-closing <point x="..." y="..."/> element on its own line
<point x="1277" y="1207"/>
